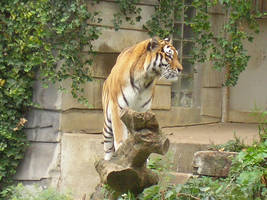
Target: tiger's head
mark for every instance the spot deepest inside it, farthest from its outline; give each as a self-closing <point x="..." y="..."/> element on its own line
<point x="165" y="62"/>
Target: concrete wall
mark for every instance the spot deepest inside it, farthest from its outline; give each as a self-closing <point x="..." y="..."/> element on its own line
<point x="64" y="134"/>
<point x="251" y="89"/>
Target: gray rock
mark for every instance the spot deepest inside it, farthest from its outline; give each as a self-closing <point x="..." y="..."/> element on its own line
<point x="212" y="163"/>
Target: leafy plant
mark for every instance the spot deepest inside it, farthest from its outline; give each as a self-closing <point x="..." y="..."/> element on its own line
<point x="247" y="179"/>
<point x="21" y="192"/>
<point x="235" y="145"/>
<point x="224" y="49"/>
<point x="37" y="36"/>
<point x="128" y="10"/>
<point x="162" y="21"/>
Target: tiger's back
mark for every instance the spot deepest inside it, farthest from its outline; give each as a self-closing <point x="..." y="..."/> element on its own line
<point x="131" y="84"/>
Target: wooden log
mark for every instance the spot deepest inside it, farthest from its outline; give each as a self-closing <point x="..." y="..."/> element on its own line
<point x="127" y="170"/>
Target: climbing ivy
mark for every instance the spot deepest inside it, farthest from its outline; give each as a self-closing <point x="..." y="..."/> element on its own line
<point x="224" y="49"/>
<point x="44" y="40"/>
<point x="162" y="21"/>
<point x="127" y="10"/>
<point x="47" y="37"/>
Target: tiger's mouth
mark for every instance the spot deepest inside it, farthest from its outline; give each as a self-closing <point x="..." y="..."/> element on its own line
<point x="170" y="74"/>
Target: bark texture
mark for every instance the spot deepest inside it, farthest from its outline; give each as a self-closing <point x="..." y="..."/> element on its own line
<point x="127" y="170"/>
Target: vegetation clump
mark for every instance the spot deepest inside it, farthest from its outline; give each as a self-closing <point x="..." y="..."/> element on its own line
<point x="247" y="179"/>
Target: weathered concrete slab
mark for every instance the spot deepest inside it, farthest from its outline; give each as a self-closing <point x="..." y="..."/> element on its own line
<point x="42" y="119"/>
<point x="250" y="90"/>
<point x="108" y="9"/>
<point x="115" y="41"/>
<point x="145" y="2"/>
<point x="79" y="152"/>
<point x="41" y="161"/>
<point x="102" y="64"/>
<point x="211" y="101"/>
<point x="92" y="92"/>
<point x="212" y="163"/>
<point x="43" y="125"/>
<point x="183" y="155"/>
<point x="49" y="134"/>
<point x="162" y="98"/>
<point x="242" y="116"/>
<point x="83" y="121"/>
<point x="46" y="98"/>
<point x="215" y="133"/>
<point x="211" y="77"/>
<point x="178" y="116"/>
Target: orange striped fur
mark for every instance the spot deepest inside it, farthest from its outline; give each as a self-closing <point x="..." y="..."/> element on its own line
<point x="131" y="84"/>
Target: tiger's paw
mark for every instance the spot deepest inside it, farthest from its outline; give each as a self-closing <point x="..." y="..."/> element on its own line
<point x="108" y="156"/>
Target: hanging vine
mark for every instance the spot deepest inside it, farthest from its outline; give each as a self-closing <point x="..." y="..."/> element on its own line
<point x="227" y="47"/>
<point x="34" y="37"/>
<point x="221" y="49"/>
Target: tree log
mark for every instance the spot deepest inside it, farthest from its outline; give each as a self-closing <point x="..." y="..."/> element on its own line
<point x="127" y="170"/>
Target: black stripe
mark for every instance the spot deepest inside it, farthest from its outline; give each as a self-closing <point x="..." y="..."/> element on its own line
<point x="105" y="123"/>
<point x="110" y="129"/>
<point x="109" y="120"/>
<point x="147" y="85"/>
<point x="146" y="102"/>
<point x="161" y="57"/>
<point x="110" y="149"/>
<point x="105" y="141"/>
<point x="124" y="98"/>
<point x="109" y="132"/>
<point x="120" y="106"/>
<point x="132" y="82"/>
<point x="155" y="61"/>
<point x="168" y="56"/>
<point x="107" y="137"/>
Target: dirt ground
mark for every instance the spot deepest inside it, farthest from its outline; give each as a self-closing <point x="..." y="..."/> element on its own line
<point x="217" y="133"/>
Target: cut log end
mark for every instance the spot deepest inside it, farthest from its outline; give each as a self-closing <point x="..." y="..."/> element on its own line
<point x="124" y="180"/>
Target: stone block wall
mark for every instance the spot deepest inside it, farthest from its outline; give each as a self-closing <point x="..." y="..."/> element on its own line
<point x="65" y="135"/>
<point x="63" y="132"/>
<point x="41" y="163"/>
<point x="251" y="89"/>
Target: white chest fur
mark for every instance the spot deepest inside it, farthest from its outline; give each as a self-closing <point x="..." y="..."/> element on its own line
<point x="138" y="100"/>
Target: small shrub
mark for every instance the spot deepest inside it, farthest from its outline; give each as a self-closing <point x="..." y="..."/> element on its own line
<point x="235" y="145"/>
<point x="21" y="192"/>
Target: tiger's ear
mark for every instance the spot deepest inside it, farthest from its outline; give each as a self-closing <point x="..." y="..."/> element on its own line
<point x="153" y="44"/>
<point x="168" y="39"/>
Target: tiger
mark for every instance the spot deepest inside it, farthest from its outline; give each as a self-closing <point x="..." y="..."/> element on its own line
<point x="131" y="84"/>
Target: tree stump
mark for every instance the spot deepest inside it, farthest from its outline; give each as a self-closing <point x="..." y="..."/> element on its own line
<point x="127" y="170"/>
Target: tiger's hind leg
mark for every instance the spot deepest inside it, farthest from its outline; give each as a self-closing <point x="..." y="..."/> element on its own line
<point x="114" y="131"/>
<point x="108" y="133"/>
<point x="108" y="141"/>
